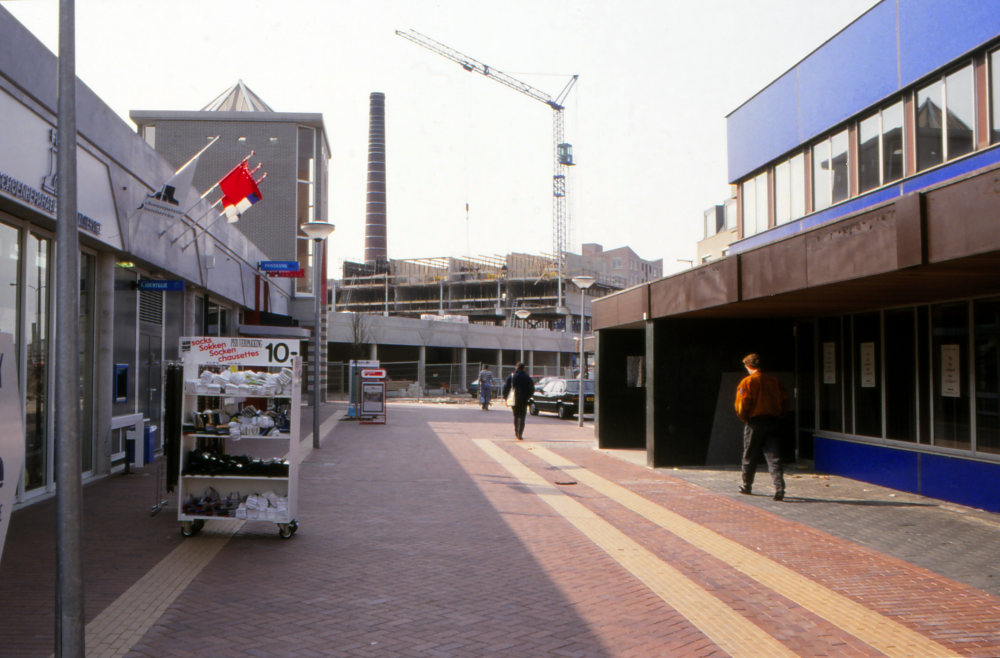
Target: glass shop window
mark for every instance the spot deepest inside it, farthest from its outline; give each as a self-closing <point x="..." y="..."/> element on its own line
<point x="946" y="118"/>
<point x="950" y="376"/>
<point x="755" y="205"/>
<point x="901" y="375"/>
<point x="790" y="190"/>
<point x="831" y="376"/>
<point x="867" y="343"/>
<point x="987" y="316"/>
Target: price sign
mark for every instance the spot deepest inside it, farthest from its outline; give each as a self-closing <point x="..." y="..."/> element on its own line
<point x="239" y="351"/>
<point x="373" y="374"/>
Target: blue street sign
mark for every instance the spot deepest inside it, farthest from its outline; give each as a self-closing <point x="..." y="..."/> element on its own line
<point x="279" y="265"/>
<point x="162" y="286"/>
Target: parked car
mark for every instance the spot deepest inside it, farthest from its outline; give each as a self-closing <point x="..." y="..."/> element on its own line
<point x="473" y="388"/>
<point x="562" y="397"/>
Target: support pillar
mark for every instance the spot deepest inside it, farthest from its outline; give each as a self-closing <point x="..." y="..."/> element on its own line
<point x="500" y="363"/>
<point x="421" y="369"/>
<point x="373" y="352"/>
<point x="558" y="364"/>
<point x="103" y="377"/>
<point x="531" y="362"/>
<point x="190" y="299"/>
<point x="463" y="375"/>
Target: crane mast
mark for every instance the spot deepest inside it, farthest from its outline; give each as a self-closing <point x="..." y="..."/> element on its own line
<point x="562" y="153"/>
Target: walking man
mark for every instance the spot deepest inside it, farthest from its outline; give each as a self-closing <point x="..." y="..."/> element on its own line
<point x="761" y="401"/>
<point x="485" y="387"/>
<point x="524" y="387"/>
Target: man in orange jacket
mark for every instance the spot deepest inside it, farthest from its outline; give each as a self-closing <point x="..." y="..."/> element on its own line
<point x="761" y="401"/>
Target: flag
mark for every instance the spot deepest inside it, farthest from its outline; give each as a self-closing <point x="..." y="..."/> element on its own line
<point x="239" y="191"/>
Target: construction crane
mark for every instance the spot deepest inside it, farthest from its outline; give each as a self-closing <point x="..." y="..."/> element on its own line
<point x="563" y="152"/>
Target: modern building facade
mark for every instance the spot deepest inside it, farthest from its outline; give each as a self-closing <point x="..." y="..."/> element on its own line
<point x="295" y="154"/>
<point x="126" y="334"/>
<point x="719" y="230"/>
<point x="865" y="273"/>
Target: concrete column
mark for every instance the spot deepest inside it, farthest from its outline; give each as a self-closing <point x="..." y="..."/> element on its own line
<point x="462" y="378"/>
<point x="558" y="364"/>
<point x="190" y="299"/>
<point x="373" y="352"/>
<point x="650" y="372"/>
<point x="531" y="362"/>
<point x="500" y="363"/>
<point x="104" y="360"/>
<point x="421" y="368"/>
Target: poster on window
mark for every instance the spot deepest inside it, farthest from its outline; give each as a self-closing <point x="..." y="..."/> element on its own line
<point x="951" y="371"/>
<point x="867" y="353"/>
<point x="12" y="438"/>
<point x="373" y="398"/>
<point x="829" y="363"/>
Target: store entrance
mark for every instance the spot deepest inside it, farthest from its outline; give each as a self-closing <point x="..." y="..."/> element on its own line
<point x="150" y="376"/>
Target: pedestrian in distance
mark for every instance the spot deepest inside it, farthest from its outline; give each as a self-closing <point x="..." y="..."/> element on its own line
<point x="521" y="386"/>
<point x="485" y="387"/>
<point x="761" y="402"/>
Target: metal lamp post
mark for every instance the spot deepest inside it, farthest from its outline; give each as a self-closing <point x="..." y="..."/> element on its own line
<point x="318" y="232"/>
<point x="582" y="282"/>
<point x="522" y="313"/>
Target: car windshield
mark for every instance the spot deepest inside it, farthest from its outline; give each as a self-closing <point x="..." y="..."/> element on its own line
<point x="573" y="386"/>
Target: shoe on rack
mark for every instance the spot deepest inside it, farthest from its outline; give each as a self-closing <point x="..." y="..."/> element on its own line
<point x="746" y="489"/>
<point x="779" y="496"/>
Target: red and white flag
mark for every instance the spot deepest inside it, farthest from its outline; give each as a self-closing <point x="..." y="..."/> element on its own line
<point x="239" y="191"/>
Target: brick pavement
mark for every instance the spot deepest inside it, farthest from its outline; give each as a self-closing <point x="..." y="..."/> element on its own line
<point x="415" y="541"/>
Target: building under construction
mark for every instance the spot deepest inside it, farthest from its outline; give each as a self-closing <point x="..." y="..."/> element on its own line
<point x="485" y="289"/>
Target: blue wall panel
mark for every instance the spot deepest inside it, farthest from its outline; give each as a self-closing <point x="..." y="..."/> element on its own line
<point x="764" y="128"/>
<point x="855" y="69"/>
<point x="932" y="32"/>
<point x="960" y="168"/>
<point x="962" y="481"/>
<point x="886" y="467"/>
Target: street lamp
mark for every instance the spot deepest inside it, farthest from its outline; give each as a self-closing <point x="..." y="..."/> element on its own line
<point x="582" y="282"/>
<point x="522" y="313"/>
<point x="317" y="231"/>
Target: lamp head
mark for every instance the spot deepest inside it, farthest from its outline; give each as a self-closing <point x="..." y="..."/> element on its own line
<point x="522" y="313"/>
<point x="317" y="230"/>
<point x="583" y="282"/>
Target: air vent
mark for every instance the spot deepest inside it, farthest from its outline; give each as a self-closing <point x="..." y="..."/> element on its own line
<point x="151" y="306"/>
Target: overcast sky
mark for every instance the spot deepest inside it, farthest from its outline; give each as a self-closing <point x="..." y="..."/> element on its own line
<point x="646" y="118"/>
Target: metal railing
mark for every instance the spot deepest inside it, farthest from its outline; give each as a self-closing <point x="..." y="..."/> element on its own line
<point x="440" y="379"/>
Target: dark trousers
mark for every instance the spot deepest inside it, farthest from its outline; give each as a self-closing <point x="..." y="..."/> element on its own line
<point x="761" y="433"/>
<point x="520" y="412"/>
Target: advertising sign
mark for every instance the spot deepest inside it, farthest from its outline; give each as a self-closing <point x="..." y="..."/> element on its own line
<point x="162" y="285"/>
<point x="867" y="365"/>
<point x="12" y="438"/>
<point x="240" y="351"/>
<point x="300" y="274"/>
<point x="829" y="363"/>
<point x="279" y="266"/>
<point x="373" y="398"/>
<point x="377" y="373"/>
<point x="951" y="371"/>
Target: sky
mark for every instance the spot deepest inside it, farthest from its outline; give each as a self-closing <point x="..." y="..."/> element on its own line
<point x="646" y="118"/>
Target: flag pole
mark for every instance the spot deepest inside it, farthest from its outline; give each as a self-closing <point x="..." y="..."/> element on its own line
<point x="182" y="216"/>
<point x="196" y="225"/>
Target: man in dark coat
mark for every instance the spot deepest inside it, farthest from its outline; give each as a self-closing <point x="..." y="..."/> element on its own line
<point x="524" y="387"/>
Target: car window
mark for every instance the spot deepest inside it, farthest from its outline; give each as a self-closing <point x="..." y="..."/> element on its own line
<point x="551" y="388"/>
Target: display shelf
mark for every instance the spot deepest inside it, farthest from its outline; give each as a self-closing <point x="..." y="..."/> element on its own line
<point x="202" y="353"/>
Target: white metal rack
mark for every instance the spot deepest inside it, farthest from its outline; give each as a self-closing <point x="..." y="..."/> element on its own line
<point x="216" y="354"/>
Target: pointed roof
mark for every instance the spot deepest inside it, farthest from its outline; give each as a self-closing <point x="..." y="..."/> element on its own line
<point x="237" y="98"/>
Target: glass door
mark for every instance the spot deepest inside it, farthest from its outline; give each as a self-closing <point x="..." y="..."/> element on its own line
<point x="36" y="292"/>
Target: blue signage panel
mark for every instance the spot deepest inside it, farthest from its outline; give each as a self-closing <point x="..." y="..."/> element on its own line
<point x="279" y="265"/>
<point x="162" y="286"/>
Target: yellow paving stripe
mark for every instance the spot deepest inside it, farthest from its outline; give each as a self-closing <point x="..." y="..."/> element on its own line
<point x="731" y="631"/>
<point x="882" y="633"/>
<point x="123" y="623"/>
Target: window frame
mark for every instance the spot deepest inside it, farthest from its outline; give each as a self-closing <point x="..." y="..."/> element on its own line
<point x="942" y="80"/>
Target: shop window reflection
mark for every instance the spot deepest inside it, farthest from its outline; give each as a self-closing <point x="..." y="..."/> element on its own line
<point x="36" y="402"/>
<point x="950" y="376"/>
<point x="987" y="315"/>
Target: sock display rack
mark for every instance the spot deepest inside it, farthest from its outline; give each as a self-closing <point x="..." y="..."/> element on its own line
<point x="239" y="393"/>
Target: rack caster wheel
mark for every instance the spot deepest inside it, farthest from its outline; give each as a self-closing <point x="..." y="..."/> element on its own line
<point x="285" y="530"/>
<point x="294" y="525"/>
<point x="198" y="524"/>
<point x="187" y="529"/>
